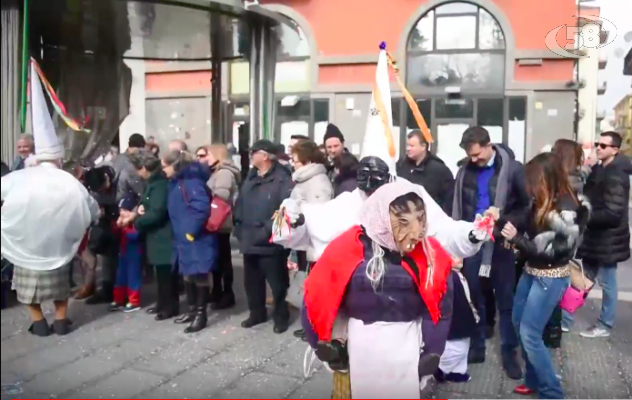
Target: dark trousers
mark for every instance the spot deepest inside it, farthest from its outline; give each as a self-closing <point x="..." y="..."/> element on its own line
<point x="503" y="281"/>
<point x="223" y="277"/>
<point x="301" y="261"/>
<point x="273" y="268"/>
<point x="490" y="301"/>
<point x="167" y="282"/>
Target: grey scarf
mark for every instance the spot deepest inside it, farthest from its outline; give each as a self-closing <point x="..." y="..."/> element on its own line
<point x="502" y="189"/>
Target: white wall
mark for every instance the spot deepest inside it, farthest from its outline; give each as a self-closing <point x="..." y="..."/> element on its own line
<point x="587" y="97"/>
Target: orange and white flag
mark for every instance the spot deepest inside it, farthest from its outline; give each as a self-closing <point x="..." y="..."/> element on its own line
<point x="379" y="140"/>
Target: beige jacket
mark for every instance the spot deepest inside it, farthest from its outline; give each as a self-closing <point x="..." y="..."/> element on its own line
<point x="223" y="183"/>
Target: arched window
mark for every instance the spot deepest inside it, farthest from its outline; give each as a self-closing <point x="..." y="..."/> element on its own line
<point x="456" y="44"/>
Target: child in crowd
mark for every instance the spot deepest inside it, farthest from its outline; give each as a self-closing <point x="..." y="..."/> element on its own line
<point x="453" y="364"/>
<point x="129" y="270"/>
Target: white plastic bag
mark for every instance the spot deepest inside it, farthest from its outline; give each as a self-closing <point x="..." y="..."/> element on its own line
<point x="288" y="237"/>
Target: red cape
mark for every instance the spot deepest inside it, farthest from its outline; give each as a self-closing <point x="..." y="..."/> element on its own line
<point x="325" y="287"/>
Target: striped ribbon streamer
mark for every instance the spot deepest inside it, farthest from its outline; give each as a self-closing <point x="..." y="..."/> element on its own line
<point x="421" y="122"/>
<point x="59" y="107"/>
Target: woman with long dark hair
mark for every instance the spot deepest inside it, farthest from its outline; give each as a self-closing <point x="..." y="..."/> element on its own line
<point x="557" y="220"/>
<point x="194" y="249"/>
<point x="571" y="155"/>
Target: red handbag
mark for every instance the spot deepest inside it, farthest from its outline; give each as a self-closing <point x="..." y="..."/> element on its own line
<point x="219" y="212"/>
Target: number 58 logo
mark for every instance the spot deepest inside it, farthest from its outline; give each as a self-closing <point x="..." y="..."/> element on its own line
<point x="587" y="36"/>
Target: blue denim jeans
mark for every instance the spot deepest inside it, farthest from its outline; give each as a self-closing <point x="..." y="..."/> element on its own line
<point x="503" y="278"/>
<point x="606" y="276"/>
<point x="536" y="298"/>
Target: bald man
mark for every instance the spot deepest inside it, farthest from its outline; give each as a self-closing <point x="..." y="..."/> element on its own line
<point x="178" y="145"/>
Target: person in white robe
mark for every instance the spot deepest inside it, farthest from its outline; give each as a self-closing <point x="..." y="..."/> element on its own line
<point x="45" y="214"/>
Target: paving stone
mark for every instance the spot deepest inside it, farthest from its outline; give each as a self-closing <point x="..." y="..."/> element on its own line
<point x="71" y="376"/>
<point x="289" y="362"/>
<point x="227" y="332"/>
<point x="594" y="372"/>
<point x="203" y="381"/>
<point x="129" y="350"/>
<point x="124" y="384"/>
<point x="175" y="359"/>
<point x="24" y="343"/>
<point x="317" y="387"/>
<point x="255" y="351"/>
<point x="257" y="385"/>
<point x="43" y="360"/>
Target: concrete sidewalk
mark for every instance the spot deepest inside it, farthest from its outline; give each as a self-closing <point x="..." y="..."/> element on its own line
<point x="132" y="356"/>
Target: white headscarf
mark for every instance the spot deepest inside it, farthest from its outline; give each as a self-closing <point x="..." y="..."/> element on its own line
<point x="375" y="217"/>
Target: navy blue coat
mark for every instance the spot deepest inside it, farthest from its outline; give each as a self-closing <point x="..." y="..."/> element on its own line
<point x="194" y="249"/>
<point x="259" y="198"/>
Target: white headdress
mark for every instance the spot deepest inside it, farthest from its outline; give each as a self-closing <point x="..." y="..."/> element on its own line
<point x="47" y="146"/>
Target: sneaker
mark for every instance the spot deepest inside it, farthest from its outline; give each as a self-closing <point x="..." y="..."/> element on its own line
<point x="114" y="307"/>
<point x="565" y="329"/>
<point x="596" y="332"/>
<point x="130" y="308"/>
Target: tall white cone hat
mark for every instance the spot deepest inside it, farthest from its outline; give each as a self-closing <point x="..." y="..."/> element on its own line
<point x="47" y="146"/>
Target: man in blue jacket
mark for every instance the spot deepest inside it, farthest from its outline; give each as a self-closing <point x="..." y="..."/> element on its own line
<point x="261" y="195"/>
<point x="492" y="177"/>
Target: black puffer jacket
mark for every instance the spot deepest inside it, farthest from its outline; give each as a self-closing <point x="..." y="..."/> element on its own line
<point x="433" y="175"/>
<point x="517" y="203"/>
<point x="259" y="198"/>
<point x="555" y="245"/>
<point x="607" y="238"/>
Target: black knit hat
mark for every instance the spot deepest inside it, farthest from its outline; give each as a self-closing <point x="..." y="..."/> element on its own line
<point x="333" y="132"/>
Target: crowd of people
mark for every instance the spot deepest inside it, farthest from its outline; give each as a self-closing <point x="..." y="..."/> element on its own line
<point x="406" y="269"/>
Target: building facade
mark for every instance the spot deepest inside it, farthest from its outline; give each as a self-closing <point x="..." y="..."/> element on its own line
<point x="491" y="52"/>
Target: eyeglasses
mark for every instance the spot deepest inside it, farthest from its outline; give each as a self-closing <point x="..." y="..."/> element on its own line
<point x="604" y="146"/>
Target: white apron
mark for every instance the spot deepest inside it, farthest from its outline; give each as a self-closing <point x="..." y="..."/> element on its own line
<point x="384" y="359"/>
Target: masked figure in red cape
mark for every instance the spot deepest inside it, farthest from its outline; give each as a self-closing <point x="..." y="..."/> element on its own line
<point x="368" y="295"/>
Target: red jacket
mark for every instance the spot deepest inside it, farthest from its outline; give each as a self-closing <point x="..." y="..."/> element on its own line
<point x="325" y="287"/>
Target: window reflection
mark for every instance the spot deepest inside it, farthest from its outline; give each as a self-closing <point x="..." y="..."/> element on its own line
<point x="490" y="112"/>
<point x="490" y="35"/>
<point x="321" y="119"/>
<point x="456" y="33"/>
<point x="421" y="37"/>
<point x="454" y="109"/>
<point x="291" y="44"/>
<point x="456" y="8"/>
<point x="467" y="70"/>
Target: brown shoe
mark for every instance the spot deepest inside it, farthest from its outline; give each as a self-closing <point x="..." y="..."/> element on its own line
<point x="85" y="292"/>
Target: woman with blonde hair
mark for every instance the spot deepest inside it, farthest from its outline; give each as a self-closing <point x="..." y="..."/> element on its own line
<point x="225" y="176"/>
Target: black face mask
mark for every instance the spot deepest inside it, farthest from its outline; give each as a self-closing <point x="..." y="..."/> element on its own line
<point x="372" y="174"/>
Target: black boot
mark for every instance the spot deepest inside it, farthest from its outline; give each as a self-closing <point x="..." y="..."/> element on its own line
<point x="511" y="366"/>
<point x="61" y="327"/>
<point x="201" y="318"/>
<point x="216" y="292"/>
<point x="40" y="328"/>
<point x="190" y="290"/>
<point x="227" y="301"/>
